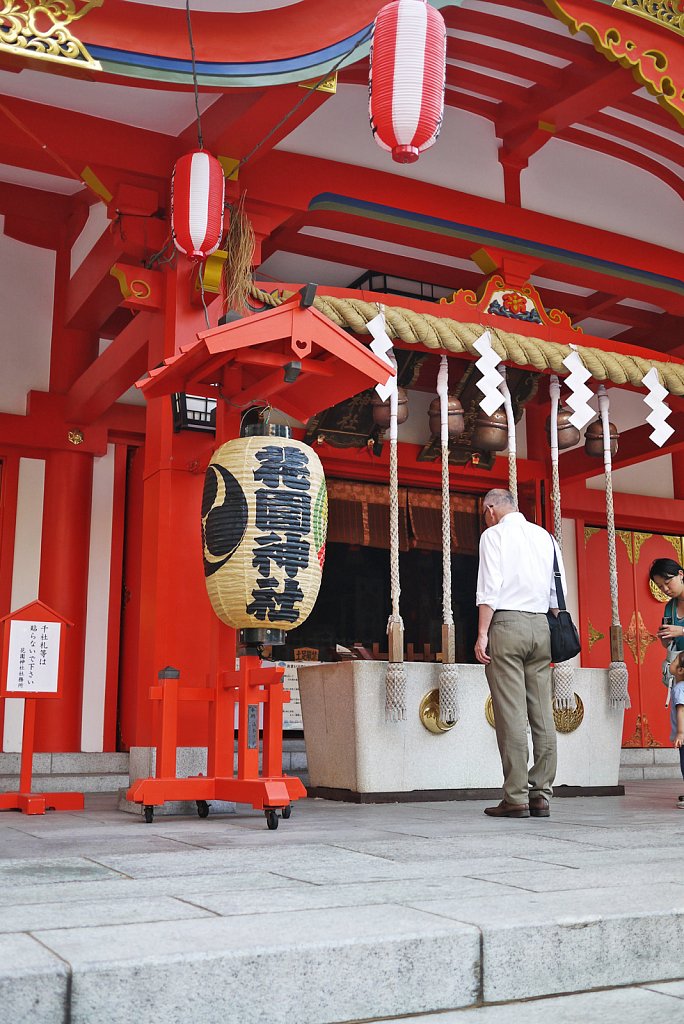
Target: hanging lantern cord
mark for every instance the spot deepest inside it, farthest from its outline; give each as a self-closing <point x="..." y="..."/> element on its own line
<point x="617" y="671"/>
<point x="512" y="453"/>
<point x="448" y="676"/>
<point x="200" y="140"/>
<point x="563" y="679"/>
<point x="310" y="90"/>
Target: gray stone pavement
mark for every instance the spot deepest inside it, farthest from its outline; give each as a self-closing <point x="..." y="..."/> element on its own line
<point x="346" y="913"/>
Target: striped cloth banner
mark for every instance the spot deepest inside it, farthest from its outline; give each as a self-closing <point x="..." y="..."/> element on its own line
<point x="407" y="78"/>
<point x="197" y="194"/>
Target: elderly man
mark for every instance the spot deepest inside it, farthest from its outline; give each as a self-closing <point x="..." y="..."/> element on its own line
<point x="515" y="589"/>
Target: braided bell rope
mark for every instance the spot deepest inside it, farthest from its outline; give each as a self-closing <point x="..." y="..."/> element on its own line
<point x="563" y="678"/>
<point x="618" y="677"/>
<point x="395" y="681"/>
<point x="442" y="333"/>
<point x="449" y="673"/>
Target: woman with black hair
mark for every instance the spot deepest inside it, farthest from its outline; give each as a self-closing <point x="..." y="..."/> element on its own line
<point x="668" y="576"/>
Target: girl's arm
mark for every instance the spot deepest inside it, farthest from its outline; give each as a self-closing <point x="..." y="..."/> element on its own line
<point x="679" y="738"/>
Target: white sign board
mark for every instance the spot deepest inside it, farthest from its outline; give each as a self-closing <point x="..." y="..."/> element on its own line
<point x="33" y="657"/>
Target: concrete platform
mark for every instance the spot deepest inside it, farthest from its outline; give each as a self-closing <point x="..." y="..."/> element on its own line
<point x="346" y="913"/>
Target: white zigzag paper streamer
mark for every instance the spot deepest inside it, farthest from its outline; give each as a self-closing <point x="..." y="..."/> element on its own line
<point x="382" y="347"/>
<point x="579" y="393"/>
<point x="491" y="378"/>
<point x="654" y="398"/>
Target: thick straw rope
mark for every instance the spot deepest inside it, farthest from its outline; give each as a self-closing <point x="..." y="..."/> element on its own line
<point x="617" y="670"/>
<point x="437" y="332"/>
<point x="563" y="672"/>
<point x="448" y="676"/>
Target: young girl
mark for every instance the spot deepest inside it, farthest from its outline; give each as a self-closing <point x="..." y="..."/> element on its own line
<point x="668" y="576"/>
<point x="677" y="712"/>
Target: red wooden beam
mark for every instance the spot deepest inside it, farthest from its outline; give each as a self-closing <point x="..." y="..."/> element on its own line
<point x="122" y="363"/>
<point x="634" y="446"/>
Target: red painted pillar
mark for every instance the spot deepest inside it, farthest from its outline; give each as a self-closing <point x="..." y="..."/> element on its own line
<point x="678" y="474"/>
<point x="65" y="537"/>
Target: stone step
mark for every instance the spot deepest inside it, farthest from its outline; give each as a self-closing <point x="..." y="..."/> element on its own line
<point x="649" y="763"/>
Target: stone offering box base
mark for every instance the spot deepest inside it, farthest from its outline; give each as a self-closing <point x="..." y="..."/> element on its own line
<point x="354" y="754"/>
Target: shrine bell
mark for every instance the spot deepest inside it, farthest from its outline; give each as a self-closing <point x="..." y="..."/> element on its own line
<point x="568" y="435"/>
<point x="381" y="410"/>
<point x="455" y="421"/>
<point x="593" y="439"/>
<point x="490" y="433"/>
<point x="264" y="521"/>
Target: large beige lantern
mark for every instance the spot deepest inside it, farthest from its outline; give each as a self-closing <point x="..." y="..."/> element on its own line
<point x="264" y="521"/>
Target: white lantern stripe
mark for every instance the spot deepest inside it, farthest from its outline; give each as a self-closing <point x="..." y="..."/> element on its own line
<point x="408" y="73"/>
<point x="197" y="198"/>
<point x="407" y="78"/>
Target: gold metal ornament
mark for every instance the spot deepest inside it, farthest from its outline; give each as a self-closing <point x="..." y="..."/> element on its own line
<point x="594" y="635"/>
<point x="657" y="593"/>
<point x="76" y="437"/>
<point x="663" y="12"/>
<point x="567" y="720"/>
<point x="38" y="29"/>
<point x="428" y="712"/>
<point x="489" y="710"/>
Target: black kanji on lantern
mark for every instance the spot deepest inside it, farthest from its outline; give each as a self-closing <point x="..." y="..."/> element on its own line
<point x="283" y="515"/>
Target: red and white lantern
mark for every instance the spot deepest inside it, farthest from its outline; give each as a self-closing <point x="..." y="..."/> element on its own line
<point x="197" y="195"/>
<point x="407" y="75"/>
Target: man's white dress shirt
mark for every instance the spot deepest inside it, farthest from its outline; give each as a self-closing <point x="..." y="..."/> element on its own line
<point x="516" y="566"/>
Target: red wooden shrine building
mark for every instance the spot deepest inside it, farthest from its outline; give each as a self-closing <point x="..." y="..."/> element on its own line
<point x="550" y="207"/>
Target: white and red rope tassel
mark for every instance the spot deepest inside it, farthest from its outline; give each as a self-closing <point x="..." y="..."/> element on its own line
<point x="197" y="197"/>
<point x="407" y="77"/>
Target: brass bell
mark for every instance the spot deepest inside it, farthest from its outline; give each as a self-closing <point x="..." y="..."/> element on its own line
<point x="454" y="417"/>
<point x="381" y="410"/>
<point x="593" y="439"/>
<point x="490" y="433"/>
<point x="568" y="436"/>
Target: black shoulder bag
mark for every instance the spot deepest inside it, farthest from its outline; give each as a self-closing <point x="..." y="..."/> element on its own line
<point x="565" y="641"/>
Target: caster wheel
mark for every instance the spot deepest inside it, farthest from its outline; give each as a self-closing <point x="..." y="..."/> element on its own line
<point x="148" y="811"/>
<point x="203" y="808"/>
<point x="287" y="811"/>
<point x="271" y="819"/>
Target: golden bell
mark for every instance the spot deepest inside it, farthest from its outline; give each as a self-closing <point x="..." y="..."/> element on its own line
<point x="593" y="439"/>
<point x="454" y="417"/>
<point x="490" y="433"/>
<point x="381" y="410"/>
<point x="568" y="436"/>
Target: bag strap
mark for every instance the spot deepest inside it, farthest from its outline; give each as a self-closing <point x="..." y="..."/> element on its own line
<point x="560" y="597"/>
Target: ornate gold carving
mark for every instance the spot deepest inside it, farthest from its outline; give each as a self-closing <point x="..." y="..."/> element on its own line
<point x="639" y="539"/>
<point x="638" y="638"/>
<point x="76" y="437"/>
<point x="39" y="29"/>
<point x="567" y="720"/>
<point x="589" y="532"/>
<point x="669" y="13"/>
<point x="329" y="84"/>
<point x="633" y="48"/>
<point x="676" y="543"/>
<point x="626" y="538"/>
<point x="594" y="635"/>
<point x="428" y="712"/>
<point x="657" y="593"/>
<point x="642" y="735"/>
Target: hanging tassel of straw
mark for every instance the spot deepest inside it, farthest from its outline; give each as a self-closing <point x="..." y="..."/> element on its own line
<point x="237" y="269"/>
<point x="563" y="672"/>
<point x="448" y="676"/>
<point x="618" y="677"/>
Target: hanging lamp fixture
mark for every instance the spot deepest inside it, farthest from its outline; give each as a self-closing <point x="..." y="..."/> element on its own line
<point x="407" y="78"/>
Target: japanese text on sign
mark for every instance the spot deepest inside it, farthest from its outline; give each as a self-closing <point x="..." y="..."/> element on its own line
<point x="33" y="657"/>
